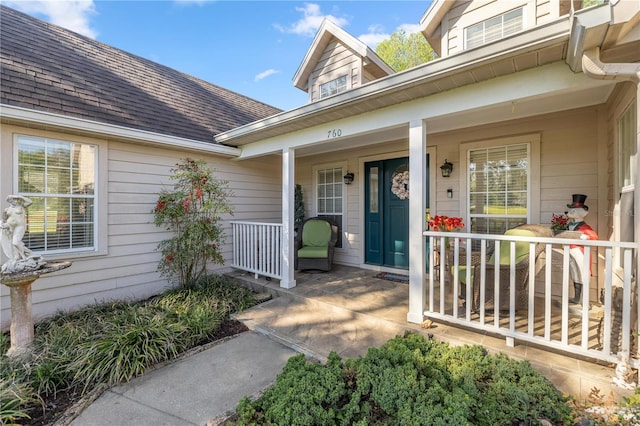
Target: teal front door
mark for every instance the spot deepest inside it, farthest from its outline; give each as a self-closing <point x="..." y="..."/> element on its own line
<point x="387" y="213"/>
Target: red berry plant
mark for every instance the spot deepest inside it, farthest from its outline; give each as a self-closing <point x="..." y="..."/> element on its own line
<point x="192" y="211"/>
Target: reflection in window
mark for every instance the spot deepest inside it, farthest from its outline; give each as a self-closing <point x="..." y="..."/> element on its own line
<point x="498" y="188"/>
<point x="60" y="179"/>
<point x="373" y="190"/>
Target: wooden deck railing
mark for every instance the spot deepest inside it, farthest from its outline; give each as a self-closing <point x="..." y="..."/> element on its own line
<point x="539" y="311"/>
<point x="257" y="248"/>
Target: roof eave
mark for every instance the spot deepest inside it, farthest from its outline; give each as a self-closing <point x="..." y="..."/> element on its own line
<point x="57" y="122"/>
<point x="554" y="32"/>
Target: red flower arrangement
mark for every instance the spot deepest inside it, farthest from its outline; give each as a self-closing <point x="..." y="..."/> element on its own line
<point x="559" y="222"/>
<point x="446" y="224"/>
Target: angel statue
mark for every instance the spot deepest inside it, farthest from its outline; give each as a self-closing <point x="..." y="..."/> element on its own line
<point x="12" y="228"/>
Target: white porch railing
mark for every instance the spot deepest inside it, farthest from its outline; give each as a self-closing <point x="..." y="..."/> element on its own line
<point x="257" y="248"/>
<point x="547" y="317"/>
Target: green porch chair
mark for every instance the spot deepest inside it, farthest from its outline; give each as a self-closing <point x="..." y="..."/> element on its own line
<point x="315" y="244"/>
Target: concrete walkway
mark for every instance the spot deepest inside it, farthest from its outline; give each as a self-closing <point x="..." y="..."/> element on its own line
<point x="195" y="389"/>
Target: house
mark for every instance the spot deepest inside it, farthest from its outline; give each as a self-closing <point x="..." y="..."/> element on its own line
<point x="530" y="101"/>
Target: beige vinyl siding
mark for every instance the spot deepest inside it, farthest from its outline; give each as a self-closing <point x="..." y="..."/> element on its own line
<point x="337" y="60"/>
<point x="133" y="177"/>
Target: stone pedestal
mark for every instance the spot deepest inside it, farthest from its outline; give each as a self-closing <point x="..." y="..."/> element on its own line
<point x="22" y="331"/>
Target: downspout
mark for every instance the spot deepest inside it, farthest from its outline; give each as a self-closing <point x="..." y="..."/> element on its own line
<point x="593" y="67"/>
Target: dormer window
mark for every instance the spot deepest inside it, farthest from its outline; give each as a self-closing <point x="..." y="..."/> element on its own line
<point x="493" y="29"/>
<point x="333" y="87"/>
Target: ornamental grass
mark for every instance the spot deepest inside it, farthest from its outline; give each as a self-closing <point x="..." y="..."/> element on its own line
<point x="111" y="343"/>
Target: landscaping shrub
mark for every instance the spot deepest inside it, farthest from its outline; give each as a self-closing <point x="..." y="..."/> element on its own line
<point x="409" y="380"/>
<point x="192" y="210"/>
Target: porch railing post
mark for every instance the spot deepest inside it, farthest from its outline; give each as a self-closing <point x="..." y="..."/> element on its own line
<point x="417" y="208"/>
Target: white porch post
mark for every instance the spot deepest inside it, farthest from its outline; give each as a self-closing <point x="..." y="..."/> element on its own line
<point x="417" y="206"/>
<point x="288" y="207"/>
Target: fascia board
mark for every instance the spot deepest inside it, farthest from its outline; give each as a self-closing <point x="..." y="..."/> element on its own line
<point x="553" y="32"/>
<point x="530" y="84"/>
<point x="52" y="121"/>
<point x="434" y="15"/>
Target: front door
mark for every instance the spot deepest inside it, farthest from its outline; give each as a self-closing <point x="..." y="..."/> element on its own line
<point x="387" y="213"/>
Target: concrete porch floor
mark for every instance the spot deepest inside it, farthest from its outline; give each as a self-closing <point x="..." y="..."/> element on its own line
<point x="348" y="310"/>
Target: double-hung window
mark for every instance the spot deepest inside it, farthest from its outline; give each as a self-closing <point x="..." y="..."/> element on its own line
<point x="329" y="200"/>
<point x="493" y="29"/>
<point x="333" y="87"/>
<point x="498" y="187"/>
<point x="627" y="173"/>
<point x="60" y="178"/>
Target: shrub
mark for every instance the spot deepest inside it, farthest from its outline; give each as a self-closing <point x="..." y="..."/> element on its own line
<point x="409" y="380"/>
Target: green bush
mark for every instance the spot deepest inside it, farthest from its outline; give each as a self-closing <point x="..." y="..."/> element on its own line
<point x="111" y="343"/>
<point x="409" y="380"/>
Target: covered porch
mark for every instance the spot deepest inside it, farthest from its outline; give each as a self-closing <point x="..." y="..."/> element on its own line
<point x="513" y="305"/>
<point x="349" y="310"/>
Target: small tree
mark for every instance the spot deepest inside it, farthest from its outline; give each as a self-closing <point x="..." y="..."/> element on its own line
<point x="299" y="207"/>
<point x="192" y="211"/>
<point x="402" y="51"/>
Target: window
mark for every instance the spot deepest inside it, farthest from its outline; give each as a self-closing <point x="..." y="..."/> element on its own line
<point x="493" y="29"/>
<point x="59" y="177"/>
<point x="627" y="149"/>
<point x="498" y="188"/>
<point x="333" y="87"/>
<point x="627" y="173"/>
<point x="329" y="197"/>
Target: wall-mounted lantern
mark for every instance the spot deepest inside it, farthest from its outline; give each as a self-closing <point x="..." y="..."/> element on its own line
<point x="348" y="178"/>
<point x="446" y="168"/>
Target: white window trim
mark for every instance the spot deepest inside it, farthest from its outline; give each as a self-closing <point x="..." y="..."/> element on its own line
<point x="533" y="195"/>
<point x="100" y="198"/>
<point x="338" y="165"/>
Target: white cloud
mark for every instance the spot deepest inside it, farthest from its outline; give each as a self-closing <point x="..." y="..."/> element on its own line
<point x="310" y="22"/>
<point x="375" y="35"/>
<point x="265" y="74"/>
<point x="410" y="28"/>
<point x="71" y="14"/>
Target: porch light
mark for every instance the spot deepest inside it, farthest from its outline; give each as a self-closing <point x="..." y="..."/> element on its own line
<point x="446" y="168"/>
<point x="348" y="178"/>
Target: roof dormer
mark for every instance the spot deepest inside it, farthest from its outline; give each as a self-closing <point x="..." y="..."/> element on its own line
<point x="337" y="62"/>
<point x="452" y="26"/>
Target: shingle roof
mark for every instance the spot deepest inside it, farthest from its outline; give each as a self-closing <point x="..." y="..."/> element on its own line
<point x="48" y="68"/>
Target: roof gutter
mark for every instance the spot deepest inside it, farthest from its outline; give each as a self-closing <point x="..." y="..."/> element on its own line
<point x="21" y="115"/>
<point x="593" y="67"/>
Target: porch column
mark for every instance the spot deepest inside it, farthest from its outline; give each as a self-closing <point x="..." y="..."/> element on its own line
<point x="288" y="208"/>
<point x="417" y="207"/>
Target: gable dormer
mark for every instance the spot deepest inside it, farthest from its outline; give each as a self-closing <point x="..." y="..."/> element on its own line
<point x="452" y="26"/>
<point x="337" y="62"/>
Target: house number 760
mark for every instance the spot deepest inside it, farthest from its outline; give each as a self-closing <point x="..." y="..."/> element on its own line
<point x="334" y="133"/>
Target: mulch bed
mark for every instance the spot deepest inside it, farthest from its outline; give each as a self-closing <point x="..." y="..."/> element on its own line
<point x="55" y="408"/>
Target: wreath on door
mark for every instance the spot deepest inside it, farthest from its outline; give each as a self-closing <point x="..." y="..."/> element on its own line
<point x="400" y="184"/>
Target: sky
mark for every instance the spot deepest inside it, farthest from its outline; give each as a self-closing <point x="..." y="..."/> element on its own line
<point x="250" y="47"/>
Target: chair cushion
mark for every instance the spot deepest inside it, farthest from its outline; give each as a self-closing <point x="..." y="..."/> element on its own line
<point x="522" y="247"/>
<point x="316" y="233"/>
<point x="309" y="252"/>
